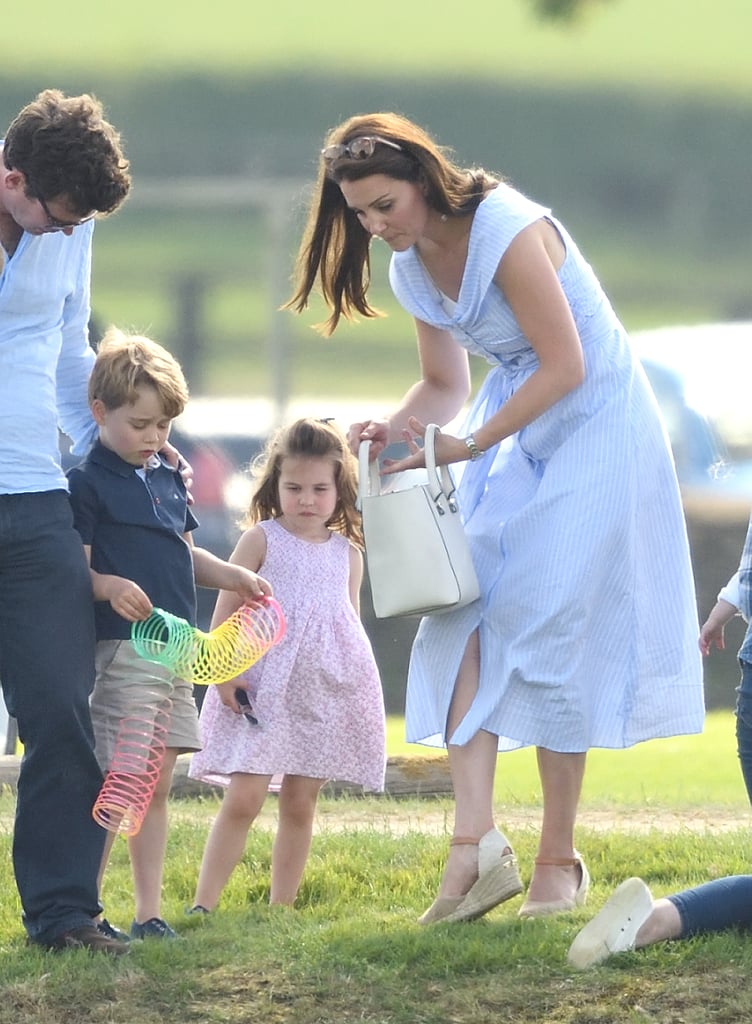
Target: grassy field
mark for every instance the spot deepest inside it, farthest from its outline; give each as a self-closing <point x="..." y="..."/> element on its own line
<point x="351" y="950"/>
<point x="617" y="42"/>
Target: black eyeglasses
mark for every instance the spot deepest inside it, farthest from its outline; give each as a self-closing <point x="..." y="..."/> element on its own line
<point x="357" y="149"/>
<point x="60" y="225"/>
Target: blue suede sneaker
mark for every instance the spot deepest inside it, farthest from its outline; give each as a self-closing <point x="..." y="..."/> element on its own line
<point x="154" y="928"/>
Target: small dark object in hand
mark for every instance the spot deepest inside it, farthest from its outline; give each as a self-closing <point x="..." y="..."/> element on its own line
<point x="241" y="697"/>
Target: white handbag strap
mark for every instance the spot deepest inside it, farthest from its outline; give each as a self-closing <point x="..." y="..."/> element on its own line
<point x="369" y="480"/>
<point x="439" y="478"/>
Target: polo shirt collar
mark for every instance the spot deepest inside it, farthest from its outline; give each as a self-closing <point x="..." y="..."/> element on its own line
<point x="110" y="460"/>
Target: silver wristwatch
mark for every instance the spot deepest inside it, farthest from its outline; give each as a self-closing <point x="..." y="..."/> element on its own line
<point x="472" y="447"/>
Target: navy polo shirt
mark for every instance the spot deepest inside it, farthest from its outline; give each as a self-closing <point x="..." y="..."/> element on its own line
<point x="135" y="529"/>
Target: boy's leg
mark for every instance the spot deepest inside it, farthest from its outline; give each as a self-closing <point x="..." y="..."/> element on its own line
<point x="744" y="725"/>
<point x="297" y="806"/>
<point x="240" y="806"/>
<point x="147" y="847"/>
<point x="714" y="906"/>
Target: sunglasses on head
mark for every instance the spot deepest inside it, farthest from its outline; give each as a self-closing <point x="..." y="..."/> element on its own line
<point x="357" y="149"/>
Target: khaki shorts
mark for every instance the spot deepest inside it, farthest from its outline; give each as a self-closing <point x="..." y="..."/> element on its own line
<point x="127" y="684"/>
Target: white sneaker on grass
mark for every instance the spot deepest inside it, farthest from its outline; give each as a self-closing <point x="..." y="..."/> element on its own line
<point x="615" y="927"/>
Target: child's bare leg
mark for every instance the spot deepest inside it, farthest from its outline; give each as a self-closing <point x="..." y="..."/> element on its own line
<point x="297" y="806"/>
<point x="147" y="847"/>
<point x="240" y="806"/>
<point x="664" y="923"/>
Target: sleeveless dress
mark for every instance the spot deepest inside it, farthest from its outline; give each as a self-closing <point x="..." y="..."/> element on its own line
<point x="317" y="694"/>
<point x="587" y="616"/>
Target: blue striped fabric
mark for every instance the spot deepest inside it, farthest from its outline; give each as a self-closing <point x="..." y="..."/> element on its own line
<point x="587" y="617"/>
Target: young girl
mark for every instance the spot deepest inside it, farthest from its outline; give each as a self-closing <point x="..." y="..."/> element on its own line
<point x="315" y="698"/>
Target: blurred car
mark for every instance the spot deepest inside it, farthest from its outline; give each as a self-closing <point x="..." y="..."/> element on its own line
<point x="701" y="378"/>
<point x="241" y="427"/>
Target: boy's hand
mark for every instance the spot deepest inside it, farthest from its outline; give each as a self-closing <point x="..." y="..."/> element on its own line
<point x="712" y="632"/>
<point x="127" y="599"/>
<point x="248" y="585"/>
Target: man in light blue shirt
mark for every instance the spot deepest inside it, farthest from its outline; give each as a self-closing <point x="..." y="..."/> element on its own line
<point x="62" y="164"/>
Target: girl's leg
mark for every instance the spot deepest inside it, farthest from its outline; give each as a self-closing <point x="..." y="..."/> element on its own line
<point x="297" y="805"/>
<point x="242" y="802"/>
<point x="147" y="847"/>
<point x="744" y="725"/>
<point x="472" y="768"/>
<point x="561" y="781"/>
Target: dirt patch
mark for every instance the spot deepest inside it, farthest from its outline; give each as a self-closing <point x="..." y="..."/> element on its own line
<point x="435" y="817"/>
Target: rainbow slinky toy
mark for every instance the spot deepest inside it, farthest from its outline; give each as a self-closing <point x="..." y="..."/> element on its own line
<point x="215" y="657"/>
<point x="133" y="774"/>
<point x="197" y="657"/>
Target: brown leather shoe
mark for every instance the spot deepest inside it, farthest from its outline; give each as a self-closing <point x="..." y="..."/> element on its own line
<point x="87" y="936"/>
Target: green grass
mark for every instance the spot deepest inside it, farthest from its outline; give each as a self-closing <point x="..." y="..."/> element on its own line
<point x="351" y="951"/>
<point x="694" y="773"/>
<point x="698" y="47"/>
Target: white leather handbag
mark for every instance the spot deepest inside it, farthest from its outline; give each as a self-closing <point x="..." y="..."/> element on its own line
<point x="416" y="550"/>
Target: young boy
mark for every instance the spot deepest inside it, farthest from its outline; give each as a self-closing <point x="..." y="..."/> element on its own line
<point x="131" y="510"/>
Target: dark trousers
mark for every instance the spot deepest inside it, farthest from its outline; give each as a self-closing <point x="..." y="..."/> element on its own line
<point x="47" y="674"/>
<point x="725" y="902"/>
<point x="744" y="724"/>
<point x="715" y="906"/>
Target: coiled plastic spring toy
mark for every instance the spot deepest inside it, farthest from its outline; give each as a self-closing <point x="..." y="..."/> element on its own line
<point x="214" y="657"/>
<point x="197" y="657"/>
<point x="133" y="774"/>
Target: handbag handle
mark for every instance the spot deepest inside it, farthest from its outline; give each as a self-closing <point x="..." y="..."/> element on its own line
<point x="369" y="479"/>
<point x="439" y="478"/>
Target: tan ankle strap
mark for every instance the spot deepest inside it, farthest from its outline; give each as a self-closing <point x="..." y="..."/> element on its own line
<point x="559" y="862"/>
<point x="463" y="841"/>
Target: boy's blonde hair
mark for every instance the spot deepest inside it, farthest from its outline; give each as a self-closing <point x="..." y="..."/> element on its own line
<point x="308" y="438"/>
<point x="127" y="361"/>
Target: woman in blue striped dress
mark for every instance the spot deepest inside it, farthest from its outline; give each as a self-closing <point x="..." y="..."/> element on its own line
<point x="585" y="633"/>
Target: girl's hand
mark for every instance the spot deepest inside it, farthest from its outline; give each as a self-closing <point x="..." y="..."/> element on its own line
<point x="226" y="693"/>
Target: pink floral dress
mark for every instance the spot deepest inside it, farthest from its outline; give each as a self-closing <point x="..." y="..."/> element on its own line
<point x="317" y="694"/>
